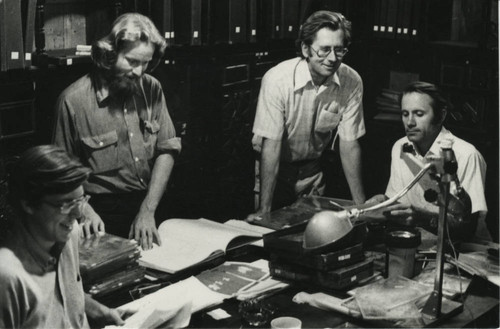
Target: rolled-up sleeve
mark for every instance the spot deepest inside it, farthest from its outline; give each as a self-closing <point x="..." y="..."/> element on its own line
<point x="352" y="125"/>
<point x="269" y="118"/>
<point x="167" y="141"/>
<point x="472" y="176"/>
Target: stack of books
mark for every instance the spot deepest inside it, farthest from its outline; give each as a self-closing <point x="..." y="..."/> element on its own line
<point x="388" y="106"/>
<point x="109" y="263"/>
<point x="336" y="268"/>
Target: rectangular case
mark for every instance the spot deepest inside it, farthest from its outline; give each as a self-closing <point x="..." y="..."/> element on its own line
<point x="339" y="279"/>
<point x="105" y="251"/>
<point x="326" y="261"/>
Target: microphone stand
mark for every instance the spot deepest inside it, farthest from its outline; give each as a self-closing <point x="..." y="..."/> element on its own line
<point x="434" y="309"/>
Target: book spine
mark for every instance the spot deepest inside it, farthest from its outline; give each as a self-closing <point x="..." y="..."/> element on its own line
<point x="290" y="272"/>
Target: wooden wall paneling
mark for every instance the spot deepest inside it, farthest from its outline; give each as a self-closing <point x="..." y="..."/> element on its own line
<point x="65" y="24"/>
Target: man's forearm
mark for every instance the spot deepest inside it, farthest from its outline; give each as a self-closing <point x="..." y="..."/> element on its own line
<point x="269" y="166"/>
<point x="350" y="155"/>
<point x="93" y="308"/>
<point x="159" y="178"/>
<point x="460" y="226"/>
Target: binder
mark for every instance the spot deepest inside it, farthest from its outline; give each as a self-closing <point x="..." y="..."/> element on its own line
<point x="161" y="14"/>
<point x="28" y="18"/>
<point x="323" y="262"/>
<point x="415" y="22"/>
<point x="230" y="25"/>
<point x="252" y="10"/>
<point x="439" y="16"/>
<point x="333" y="5"/>
<point x="188" y="22"/>
<point x="376" y="6"/>
<point x="289" y="18"/>
<point x="11" y="37"/>
<point x="383" y="18"/>
<point x="306" y="9"/>
<point x="271" y="11"/>
<point x="392" y="15"/>
<point x="338" y="279"/>
<point x="404" y="19"/>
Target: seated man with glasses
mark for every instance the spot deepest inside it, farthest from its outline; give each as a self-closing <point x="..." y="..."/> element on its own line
<point x="40" y="283"/>
<point x="304" y="104"/>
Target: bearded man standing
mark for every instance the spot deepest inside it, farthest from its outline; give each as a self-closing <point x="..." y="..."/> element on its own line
<point x="115" y="120"/>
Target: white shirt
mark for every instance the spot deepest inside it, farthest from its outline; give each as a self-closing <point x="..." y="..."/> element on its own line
<point x="471" y="172"/>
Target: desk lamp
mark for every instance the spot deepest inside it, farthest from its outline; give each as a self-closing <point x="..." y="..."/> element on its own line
<point x="319" y="232"/>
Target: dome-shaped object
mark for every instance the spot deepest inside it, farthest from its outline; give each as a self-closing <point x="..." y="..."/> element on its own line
<point x="325" y="228"/>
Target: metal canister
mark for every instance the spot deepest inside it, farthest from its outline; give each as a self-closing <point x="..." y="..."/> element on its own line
<point x="401" y="246"/>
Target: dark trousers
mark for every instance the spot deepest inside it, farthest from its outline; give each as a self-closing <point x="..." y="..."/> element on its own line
<point x="288" y="176"/>
<point x="118" y="211"/>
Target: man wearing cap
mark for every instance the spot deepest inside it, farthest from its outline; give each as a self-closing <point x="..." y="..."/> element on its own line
<point x="40" y="282"/>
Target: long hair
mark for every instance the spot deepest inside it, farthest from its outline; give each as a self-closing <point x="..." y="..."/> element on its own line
<point x="43" y="170"/>
<point x="318" y="20"/>
<point x="127" y="29"/>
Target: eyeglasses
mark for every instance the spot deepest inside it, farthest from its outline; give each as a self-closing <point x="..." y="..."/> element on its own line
<point x="66" y="207"/>
<point x="323" y="53"/>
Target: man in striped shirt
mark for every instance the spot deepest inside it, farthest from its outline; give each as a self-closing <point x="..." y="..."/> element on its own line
<point x="304" y="104"/>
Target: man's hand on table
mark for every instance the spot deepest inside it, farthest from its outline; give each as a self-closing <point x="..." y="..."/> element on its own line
<point x="144" y="230"/>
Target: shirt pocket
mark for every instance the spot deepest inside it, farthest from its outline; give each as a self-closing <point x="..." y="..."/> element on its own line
<point x="327" y="121"/>
<point x="102" y="151"/>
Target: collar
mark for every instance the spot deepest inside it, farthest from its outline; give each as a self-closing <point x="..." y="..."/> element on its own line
<point x="435" y="148"/>
<point x="46" y="260"/>
<point x="444" y="134"/>
<point x="303" y="76"/>
<point x="101" y="87"/>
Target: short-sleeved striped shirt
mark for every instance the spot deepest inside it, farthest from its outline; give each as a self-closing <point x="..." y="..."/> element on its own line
<point x="304" y="116"/>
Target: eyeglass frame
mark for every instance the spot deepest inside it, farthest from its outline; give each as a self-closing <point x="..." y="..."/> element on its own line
<point x="66" y="207"/>
<point x="344" y="52"/>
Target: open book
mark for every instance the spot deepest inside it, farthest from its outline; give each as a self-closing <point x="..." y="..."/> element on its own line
<point x="186" y="242"/>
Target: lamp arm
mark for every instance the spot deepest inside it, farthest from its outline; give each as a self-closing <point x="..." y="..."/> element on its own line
<point x="357" y="212"/>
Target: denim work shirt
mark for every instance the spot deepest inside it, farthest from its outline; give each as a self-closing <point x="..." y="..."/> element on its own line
<point x="119" y="139"/>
